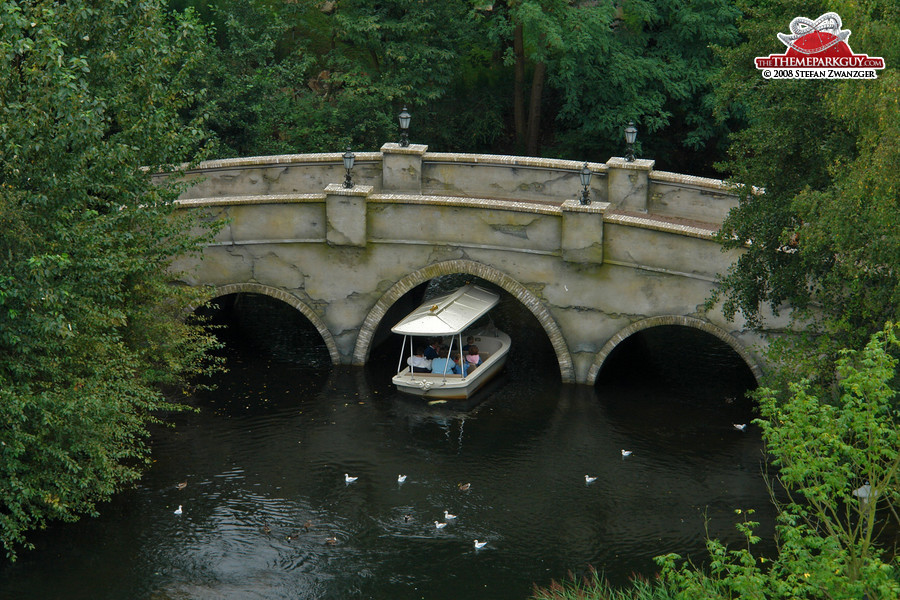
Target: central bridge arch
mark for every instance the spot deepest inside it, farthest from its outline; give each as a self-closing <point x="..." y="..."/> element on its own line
<point x="466" y="267"/>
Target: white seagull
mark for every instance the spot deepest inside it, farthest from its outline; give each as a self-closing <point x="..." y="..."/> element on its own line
<point x="448" y="516"/>
<point x="740" y="426"/>
<point x="401" y="478"/>
<point x="178" y="510"/>
<point x="479" y="545"/>
<point x="626" y="453"/>
<point x="589" y="479"/>
<point x="348" y="479"/>
<point x="439" y="525"/>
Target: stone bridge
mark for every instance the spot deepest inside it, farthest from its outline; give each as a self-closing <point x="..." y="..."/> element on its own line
<point x="640" y="255"/>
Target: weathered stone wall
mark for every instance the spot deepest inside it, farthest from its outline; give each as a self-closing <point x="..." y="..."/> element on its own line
<point x="285" y="174"/>
<point x="508" y="177"/>
<point x="632" y="258"/>
<point x="689" y="197"/>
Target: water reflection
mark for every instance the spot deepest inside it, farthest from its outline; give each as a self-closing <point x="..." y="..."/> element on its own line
<point x="268" y="451"/>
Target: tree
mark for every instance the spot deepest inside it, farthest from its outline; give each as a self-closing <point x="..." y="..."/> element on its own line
<point x="91" y="328"/>
<point x="816" y="167"/>
<point x="309" y="76"/>
<point x="605" y="64"/>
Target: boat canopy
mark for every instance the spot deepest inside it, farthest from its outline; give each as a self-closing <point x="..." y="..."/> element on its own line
<point x="450" y="314"/>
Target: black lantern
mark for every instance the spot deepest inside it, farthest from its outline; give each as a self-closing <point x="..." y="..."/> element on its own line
<point x="349" y="159"/>
<point x="586" y="182"/>
<point x="630" y="137"/>
<point x="404" y="127"/>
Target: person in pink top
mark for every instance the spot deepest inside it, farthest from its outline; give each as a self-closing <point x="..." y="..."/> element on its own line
<point x="472" y="357"/>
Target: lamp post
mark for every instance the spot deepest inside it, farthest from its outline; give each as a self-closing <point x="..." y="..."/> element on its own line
<point x="585" y="181"/>
<point x="349" y="158"/>
<point x="630" y="137"/>
<point x="404" y="128"/>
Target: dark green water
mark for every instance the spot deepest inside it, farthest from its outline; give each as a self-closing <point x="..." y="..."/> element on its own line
<point x="271" y="446"/>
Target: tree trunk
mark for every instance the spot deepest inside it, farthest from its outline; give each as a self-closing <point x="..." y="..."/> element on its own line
<point x="534" y="108"/>
<point x="519" y="88"/>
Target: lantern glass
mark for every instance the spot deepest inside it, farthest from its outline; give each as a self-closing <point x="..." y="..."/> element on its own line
<point x="630" y="133"/>
<point x="586" y="175"/>
<point x="404" y="119"/>
<point x="349" y="158"/>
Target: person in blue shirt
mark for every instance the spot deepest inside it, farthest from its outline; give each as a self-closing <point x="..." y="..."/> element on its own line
<point x="461" y="367"/>
<point x="443" y="364"/>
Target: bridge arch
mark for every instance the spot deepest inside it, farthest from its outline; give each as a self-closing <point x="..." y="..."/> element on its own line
<point x="288" y="298"/>
<point x="468" y="267"/>
<point x="691" y="322"/>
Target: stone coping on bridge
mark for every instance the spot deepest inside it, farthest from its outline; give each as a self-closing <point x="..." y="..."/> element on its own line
<point x="695" y="229"/>
<point x="467" y="202"/>
<point x="255" y="199"/>
<point x="534" y="162"/>
<point x="692" y="181"/>
<point x="394" y="148"/>
<point x="600" y="169"/>
<point x="283" y="159"/>
<point x="499" y="160"/>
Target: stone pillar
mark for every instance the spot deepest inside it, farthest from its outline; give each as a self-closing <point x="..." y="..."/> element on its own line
<point x="629" y="183"/>
<point x="402" y="168"/>
<point x="345" y="214"/>
<point x="582" y="231"/>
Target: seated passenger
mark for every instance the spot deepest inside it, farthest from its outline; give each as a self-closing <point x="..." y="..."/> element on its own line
<point x="473" y="359"/>
<point x="431" y="352"/>
<point x="418" y="363"/>
<point x="442" y="364"/>
<point x="469" y="341"/>
<point x="461" y="367"/>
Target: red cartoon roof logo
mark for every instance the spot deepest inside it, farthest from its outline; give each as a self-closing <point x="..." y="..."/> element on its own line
<point x="818" y="50"/>
<point x="815" y="37"/>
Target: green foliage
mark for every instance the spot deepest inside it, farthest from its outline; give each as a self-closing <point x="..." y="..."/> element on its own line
<point x="822" y="231"/>
<point x="311" y="76"/>
<point x="827" y="533"/>
<point x="650" y="62"/>
<point x="610" y="63"/>
<point x="593" y="586"/>
<point x="90" y="327"/>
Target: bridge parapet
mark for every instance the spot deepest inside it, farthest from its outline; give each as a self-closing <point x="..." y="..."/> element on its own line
<point x="689" y="197"/>
<point x="626" y="186"/>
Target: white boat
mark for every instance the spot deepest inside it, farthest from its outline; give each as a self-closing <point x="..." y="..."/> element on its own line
<point x="452" y="318"/>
